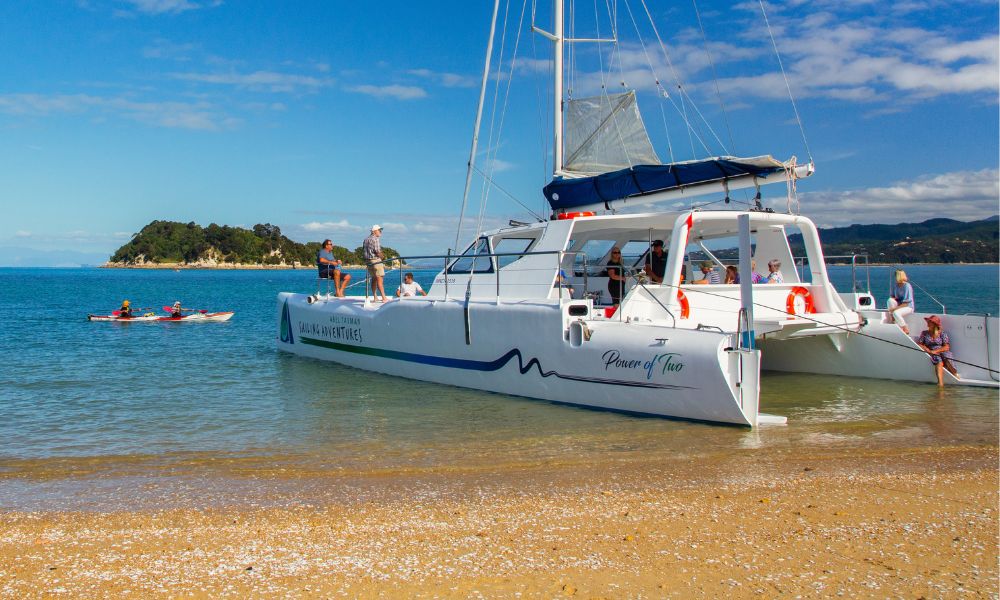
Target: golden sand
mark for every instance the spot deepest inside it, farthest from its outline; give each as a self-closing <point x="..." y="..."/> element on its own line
<point x="910" y="523"/>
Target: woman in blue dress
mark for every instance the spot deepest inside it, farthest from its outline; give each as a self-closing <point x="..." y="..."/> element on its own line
<point x="937" y="344"/>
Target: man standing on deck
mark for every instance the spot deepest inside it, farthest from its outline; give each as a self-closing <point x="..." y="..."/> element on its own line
<point x="656" y="262"/>
<point x="373" y="258"/>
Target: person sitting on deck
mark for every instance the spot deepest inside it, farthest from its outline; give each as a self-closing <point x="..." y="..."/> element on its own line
<point x="774" y="272"/>
<point x="732" y="274"/>
<point x="409" y="287"/>
<point x="755" y="277"/>
<point x="329" y="268"/>
<point x="656" y="262"/>
<point x="125" y="312"/>
<point x="709" y="272"/>
<point x="936" y="343"/>
<point x="901" y="302"/>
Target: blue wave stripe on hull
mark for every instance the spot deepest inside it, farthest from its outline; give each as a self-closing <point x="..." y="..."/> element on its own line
<point x="482" y="365"/>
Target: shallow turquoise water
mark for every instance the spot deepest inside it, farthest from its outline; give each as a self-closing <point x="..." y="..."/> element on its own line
<point x="181" y="394"/>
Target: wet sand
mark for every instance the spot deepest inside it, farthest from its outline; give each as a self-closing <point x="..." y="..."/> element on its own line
<point x="896" y="522"/>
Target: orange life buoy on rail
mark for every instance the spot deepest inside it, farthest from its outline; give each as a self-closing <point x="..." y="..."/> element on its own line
<point x="573" y="215"/>
<point x="685" y="305"/>
<point x="799" y="302"/>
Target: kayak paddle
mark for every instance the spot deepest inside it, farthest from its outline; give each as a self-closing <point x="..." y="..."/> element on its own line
<point x="170" y="309"/>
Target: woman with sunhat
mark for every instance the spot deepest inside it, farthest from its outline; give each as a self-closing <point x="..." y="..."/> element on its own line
<point x="936" y="343"/>
<point x="125" y="312"/>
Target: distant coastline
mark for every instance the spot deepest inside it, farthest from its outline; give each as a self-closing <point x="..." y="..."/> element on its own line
<point x="217" y="266"/>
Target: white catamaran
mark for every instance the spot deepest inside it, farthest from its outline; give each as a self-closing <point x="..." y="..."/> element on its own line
<point x="527" y="309"/>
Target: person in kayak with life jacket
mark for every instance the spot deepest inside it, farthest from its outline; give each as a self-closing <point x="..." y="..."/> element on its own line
<point x="125" y="312"/>
<point x="175" y="311"/>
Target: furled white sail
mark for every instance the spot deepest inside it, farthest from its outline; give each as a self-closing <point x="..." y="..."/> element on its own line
<point x="605" y="133"/>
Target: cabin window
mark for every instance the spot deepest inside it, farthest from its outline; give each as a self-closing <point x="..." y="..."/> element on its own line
<point x="634" y="252"/>
<point x="595" y="252"/>
<point x="512" y="246"/>
<point x="471" y="260"/>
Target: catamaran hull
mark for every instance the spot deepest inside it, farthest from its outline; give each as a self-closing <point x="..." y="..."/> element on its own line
<point x="526" y="349"/>
<point x="881" y="350"/>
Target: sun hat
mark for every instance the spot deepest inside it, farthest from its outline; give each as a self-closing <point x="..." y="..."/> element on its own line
<point x="125" y="303"/>
<point x="707" y="264"/>
<point x="376" y="227"/>
<point x="933" y="319"/>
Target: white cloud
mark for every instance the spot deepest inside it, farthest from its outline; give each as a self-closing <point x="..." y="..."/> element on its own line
<point x="260" y="80"/>
<point x="22" y="234"/>
<point x="961" y="195"/>
<point x="337" y="226"/>
<point x="182" y="115"/>
<point x="160" y="7"/>
<point x="166" y="50"/>
<point x="399" y="92"/>
<point x="444" y="79"/>
<point x="410" y="234"/>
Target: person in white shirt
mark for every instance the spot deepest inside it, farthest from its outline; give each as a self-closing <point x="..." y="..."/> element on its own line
<point x="409" y="287"/>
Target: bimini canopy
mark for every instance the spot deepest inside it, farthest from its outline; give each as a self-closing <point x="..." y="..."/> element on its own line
<point x="641" y="180"/>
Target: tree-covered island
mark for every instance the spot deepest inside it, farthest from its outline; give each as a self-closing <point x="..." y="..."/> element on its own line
<point x="168" y="243"/>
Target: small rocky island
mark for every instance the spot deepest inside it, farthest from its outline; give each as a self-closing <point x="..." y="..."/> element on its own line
<point x="170" y="245"/>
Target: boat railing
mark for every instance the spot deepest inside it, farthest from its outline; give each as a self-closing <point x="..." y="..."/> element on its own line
<point x="494" y="266"/>
<point x="892" y="284"/>
<point x="857" y="262"/>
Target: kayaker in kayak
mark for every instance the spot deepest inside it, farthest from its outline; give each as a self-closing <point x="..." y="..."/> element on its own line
<point x="176" y="310"/>
<point x="125" y="312"/>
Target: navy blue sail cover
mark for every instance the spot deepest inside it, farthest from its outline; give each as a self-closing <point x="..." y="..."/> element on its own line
<point x="647" y="179"/>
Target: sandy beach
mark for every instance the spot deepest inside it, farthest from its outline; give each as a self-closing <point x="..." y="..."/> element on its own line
<point x="898" y="522"/>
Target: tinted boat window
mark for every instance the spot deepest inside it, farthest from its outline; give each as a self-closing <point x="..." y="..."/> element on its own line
<point x="471" y="262"/>
<point x="511" y="245"/>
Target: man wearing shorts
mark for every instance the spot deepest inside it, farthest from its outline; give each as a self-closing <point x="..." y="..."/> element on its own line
<point x="373" y="258"/>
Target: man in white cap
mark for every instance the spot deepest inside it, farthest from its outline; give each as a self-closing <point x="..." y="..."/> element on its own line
<point x="373" y="258"/>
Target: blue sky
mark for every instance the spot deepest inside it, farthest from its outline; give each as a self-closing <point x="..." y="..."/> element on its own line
<point x="324" y="117"/>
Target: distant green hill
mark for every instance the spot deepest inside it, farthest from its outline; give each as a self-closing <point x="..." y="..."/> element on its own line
<point x="932" y="241"/>
<point x="171" y="242"/>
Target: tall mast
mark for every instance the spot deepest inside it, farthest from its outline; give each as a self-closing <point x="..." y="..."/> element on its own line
<point x="557" y="94"/>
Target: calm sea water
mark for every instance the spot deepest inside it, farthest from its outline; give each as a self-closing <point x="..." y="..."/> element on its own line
<point x="80" y="398"/>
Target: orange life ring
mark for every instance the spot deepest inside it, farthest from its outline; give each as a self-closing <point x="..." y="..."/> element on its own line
<point x="573" y="215"/>
<point x="685" y="305"/>
<point x="807" y="301"/>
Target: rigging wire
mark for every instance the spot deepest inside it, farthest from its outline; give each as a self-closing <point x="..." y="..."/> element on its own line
<point x="544" y="139"/>
<point x="484" y="190"/>
<point x="503" y="113"/>
<point x="475" y="128"/>
<point x="682" y="109"/>
<point x="715" y="76"/>
<point x="788" y="86"/>
<point x="507" y="193"/>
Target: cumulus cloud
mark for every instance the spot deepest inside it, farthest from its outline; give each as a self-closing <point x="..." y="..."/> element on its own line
<point x="961" y="195"/>
<point x="22" y="233"/>
<point x="398" y="92"/>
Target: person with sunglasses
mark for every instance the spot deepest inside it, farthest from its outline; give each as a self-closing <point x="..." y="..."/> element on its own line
<point x="616" y="276"/>
<point x="329" y="268"/>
